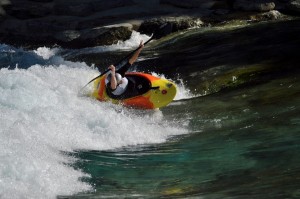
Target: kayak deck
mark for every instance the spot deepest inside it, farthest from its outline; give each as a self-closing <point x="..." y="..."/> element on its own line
<point x="137" y="85"/>
<point x="144" y="91"/>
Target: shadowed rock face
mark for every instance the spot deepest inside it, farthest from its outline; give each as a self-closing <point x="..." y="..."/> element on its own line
<point x="78" y="23"/>
<point x="172" y="24"/>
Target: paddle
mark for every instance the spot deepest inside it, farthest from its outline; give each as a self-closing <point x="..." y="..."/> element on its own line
<point x="130" y="54"/>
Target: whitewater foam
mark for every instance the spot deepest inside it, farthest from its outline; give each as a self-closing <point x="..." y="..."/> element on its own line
<point x="46" y="52"/>
<point x="42" y="117"/>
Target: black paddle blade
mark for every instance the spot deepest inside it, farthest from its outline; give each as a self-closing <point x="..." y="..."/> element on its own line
<point x="158" y="26"/>
<point x="163" y="30"/>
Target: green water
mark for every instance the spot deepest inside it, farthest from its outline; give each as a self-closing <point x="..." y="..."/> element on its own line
<point x="243" y="136"/>
<point x="243" y="146"/>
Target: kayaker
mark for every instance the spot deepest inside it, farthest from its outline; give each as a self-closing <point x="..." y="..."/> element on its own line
<point x="116" y="81"/>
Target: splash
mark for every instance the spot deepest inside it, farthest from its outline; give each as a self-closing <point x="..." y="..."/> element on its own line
<point x="182" y="91"/>
<point x="46" y="52"/>
<point x="42" y="117"/>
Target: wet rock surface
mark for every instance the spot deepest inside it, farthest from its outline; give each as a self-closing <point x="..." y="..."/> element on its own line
<point x="77" y="23"/>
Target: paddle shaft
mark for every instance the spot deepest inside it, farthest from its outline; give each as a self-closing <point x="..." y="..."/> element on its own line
<point x="130" y="54"/>
<point x="118" y="62"/>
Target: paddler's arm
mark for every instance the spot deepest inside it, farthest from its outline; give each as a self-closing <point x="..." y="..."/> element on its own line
<point x="113" y="80"/>
<point x="136" y="54"/>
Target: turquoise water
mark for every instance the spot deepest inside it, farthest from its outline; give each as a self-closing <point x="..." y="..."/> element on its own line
<point x="231" y="132"/>
<point x="244" y="145"/>
<point x="243" y="123"/>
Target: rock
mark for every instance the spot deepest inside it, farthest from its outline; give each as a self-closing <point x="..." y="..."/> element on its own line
<point x="43" y="1"/>
<point x="113" y="35"/>
<point x="222" y="5"/>
<point x="294" y="6"/>
<point x="189" y="4"/>
<point x="48" y="34"/>
<point x="181" y="4"/>
<point x="67" y="35"/>
<point x="83" y="9"/>
<point x="221" y="12"/>
<point x="88" y="7"/>
<point x="3" y="3"/>
<point x="105" y="5"/>
<point x="256" y="5"/>
<point x="267" y="16"/>
<point x="29" y="10"/>
<point x="84" y="23"/>
<point x="94" y="37"/>
<point x="173" y="24"/>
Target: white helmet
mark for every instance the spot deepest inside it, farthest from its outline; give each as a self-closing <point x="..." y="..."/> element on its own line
<point x="118" y="78"/>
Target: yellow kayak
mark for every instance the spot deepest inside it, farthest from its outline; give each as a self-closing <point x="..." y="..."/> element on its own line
<point x="144" y="91"/>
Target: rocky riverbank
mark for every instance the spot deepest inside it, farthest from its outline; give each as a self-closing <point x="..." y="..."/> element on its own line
<point x="78" y="23"/>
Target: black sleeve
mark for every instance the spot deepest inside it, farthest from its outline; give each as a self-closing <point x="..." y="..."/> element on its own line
<point x="124" y="69"/>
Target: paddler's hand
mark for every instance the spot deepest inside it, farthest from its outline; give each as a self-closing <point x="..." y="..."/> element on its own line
<point x="112" y="68"/>
<point x="141" y="44"/>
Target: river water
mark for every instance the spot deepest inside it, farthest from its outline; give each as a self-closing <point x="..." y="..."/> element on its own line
<point x="231" y="132"/>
